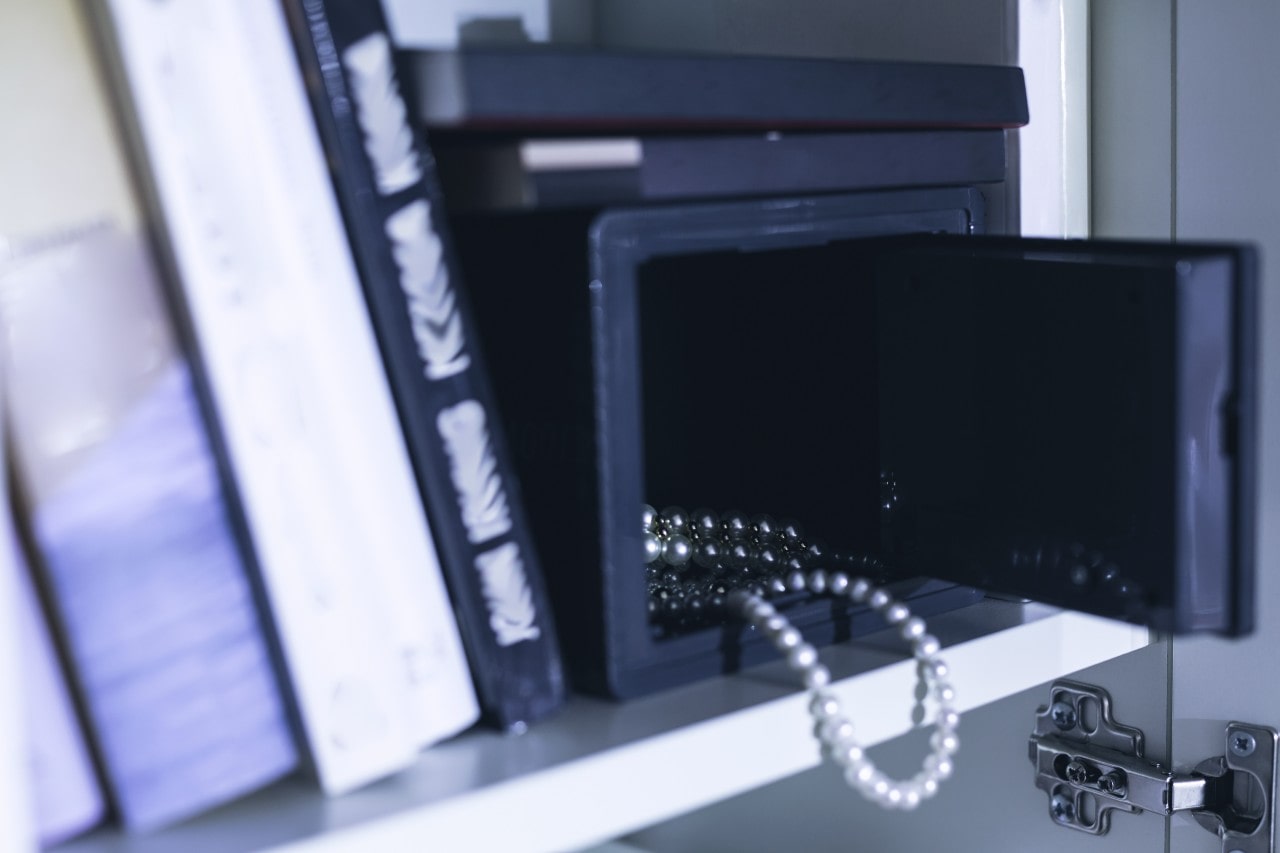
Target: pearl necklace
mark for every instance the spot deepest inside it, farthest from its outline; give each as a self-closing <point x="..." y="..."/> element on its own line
<point x="764" y="558"/>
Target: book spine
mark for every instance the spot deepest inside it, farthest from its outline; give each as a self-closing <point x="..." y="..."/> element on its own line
<point x="385" y="178"/>
<point x="64" y="786"/>
<point x="130" y="526"/>
<point x="18" y="830"/>
<point x="274" y="305"/>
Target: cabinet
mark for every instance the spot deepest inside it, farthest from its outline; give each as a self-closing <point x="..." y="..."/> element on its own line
<point x="600" y="770"/>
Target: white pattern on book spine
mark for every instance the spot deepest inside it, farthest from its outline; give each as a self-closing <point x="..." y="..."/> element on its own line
<point x="433" y="310"/>
<point x="475" y="471"/>
<point x="387" y="138"/>
<point x="511" y="612"/>
<point x="437" y="329"/>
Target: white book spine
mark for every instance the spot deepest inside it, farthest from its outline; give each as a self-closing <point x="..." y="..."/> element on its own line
<point x="284" y="335"/>
<point x="17" y="811"/>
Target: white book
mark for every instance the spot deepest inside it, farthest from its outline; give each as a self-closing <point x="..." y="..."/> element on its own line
<point x="17" y="814"/>
<point x="285" y="338"/>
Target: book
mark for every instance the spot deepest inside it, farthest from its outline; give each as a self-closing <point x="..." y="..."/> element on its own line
<point x="561" y="88"/>
<point x="236" y="174"/>
<point x="385" y="179"/>
<point x="129" y="521"/>
<point x="18" y="830"/>
<point x="63" y="784"/>
<point x="535" y="172"/>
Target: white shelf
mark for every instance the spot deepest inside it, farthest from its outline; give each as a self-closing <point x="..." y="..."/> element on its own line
<point x="599" y="770"/>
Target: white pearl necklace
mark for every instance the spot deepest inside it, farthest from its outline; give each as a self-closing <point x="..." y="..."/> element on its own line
<point x="734" y="543"/>
<point x="832" y="729"/>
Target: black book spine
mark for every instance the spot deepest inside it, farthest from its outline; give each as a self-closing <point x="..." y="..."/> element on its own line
<point x="387" y="187"/>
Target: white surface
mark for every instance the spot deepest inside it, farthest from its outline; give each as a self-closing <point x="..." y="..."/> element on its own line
<point x="1053" y="149"/>
<point x="437" y="23"/>
<point x="599" y="769"/>
<point x="17" y="821"/>
<point x="552" y="154"/>
<point x="284" y="334"/>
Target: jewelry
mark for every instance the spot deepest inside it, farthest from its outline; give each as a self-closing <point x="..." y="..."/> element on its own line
<point x="695" y="560"/>
<point x="676" y="539"/>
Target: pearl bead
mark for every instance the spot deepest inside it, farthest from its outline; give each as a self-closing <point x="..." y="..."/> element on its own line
<point x="704" y="522"/>
<point x="948" y="719"/>
<point x="834" y="730"/>
<point x="777" y="585"/>
<point x="708" y="553"/>
<point x="765" y="527"/>
<point x="838" y="583"/>
<point x="944" y="692"/>
<point x="734" y="525"/>
<point x="911" y="797"/>
<point x="945" y="742"/>
<point x="927" y="645"/>
<point x="791" y="531"/>
<point x="881" y="787"/>
<point x="817" y="581"/>
<point x="859" y="589"/>
<point x="675" y="519"/>
<point x="796" y="581"/>
<point x="824" y="705"/>
<point x="927" y="783"/>
<point x="802" y="657"/>
<point x="937" y="669"/>
<point x="897" y="613"/>
<point x="894" y="797"/>
<point x="758" y="611"/>
<point x="652" y="547"/>
<point x="817" y="676"/>
<point x="774" y="623"/>
<point x="859" y="774"/>
<point x="939" y="766"/>
<point x="879" y="599"/>
<point x="788" y="638"/>
<point x="912" y="629"/>
<point x="848" y="754"/>
<point x="677" y="550"/>
<point x="650" y="517"/>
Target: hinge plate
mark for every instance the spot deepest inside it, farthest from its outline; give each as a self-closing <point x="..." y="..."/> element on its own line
<point x="1090" y="766"/>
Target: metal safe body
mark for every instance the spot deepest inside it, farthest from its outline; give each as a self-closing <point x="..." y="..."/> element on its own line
<point x="1070" y="422"/>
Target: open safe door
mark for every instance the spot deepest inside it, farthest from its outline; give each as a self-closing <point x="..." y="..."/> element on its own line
<point x="1073" y="422"/>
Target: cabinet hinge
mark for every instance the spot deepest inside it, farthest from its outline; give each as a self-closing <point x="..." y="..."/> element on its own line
<point x="1091" y="766"/>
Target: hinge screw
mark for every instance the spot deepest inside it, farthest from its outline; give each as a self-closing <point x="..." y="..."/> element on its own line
<point x="1063" y="715"/>
<point x="1243" y="743"/>
<point x="1081" y="773"/>
<point x="1112" y="783"/>
<point x="1062" y="808"/>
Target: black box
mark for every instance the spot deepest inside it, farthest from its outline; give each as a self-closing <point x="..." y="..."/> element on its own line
<point x="700" y="354"/>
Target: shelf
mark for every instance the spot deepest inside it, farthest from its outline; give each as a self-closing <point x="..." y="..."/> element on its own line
<point x="599" y="769"/>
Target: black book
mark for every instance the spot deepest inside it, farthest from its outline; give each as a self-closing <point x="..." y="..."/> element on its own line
<point x="537" y="172"/>
<point x="387" y="187"/>
<point x="557" y="88"/>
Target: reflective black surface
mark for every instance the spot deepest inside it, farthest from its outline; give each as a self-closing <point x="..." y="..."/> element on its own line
<point x="1072" y="422"/>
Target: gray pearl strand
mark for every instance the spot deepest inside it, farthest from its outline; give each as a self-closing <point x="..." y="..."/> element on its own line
<point x="831" y="727"/>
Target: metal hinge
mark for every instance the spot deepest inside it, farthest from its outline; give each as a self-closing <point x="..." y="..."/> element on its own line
<point x="1091" y="766"/>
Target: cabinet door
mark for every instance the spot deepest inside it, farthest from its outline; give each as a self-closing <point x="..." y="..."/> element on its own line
<point x="1073" y="421"/>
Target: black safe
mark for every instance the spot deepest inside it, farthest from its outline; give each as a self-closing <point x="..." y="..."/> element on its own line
<point x="1069" y="421"/>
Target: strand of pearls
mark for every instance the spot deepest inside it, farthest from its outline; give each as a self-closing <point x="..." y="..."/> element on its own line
<point x="831" y="727"/>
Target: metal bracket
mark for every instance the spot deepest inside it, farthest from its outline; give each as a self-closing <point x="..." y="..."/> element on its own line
<point x="1091" y="766"/>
